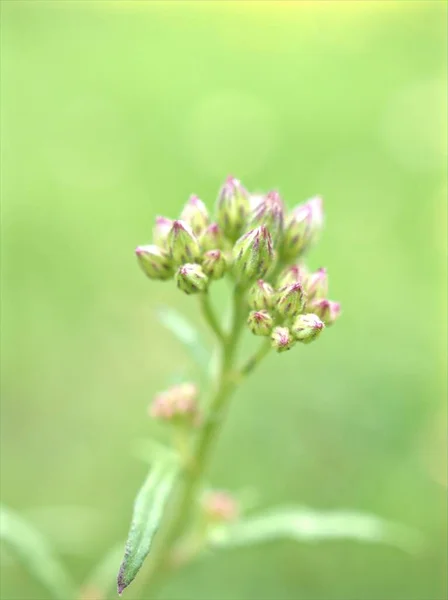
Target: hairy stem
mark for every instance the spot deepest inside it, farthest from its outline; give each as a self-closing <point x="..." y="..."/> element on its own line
<point x="210" y="316"/>
<point x="207" y="436"/>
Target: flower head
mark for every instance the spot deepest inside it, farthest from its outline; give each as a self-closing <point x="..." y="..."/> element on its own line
<point x="282" y="339"/>
<point x="211" y="238"/>
<point x="260" y="322"/>
<point x="191" y="279"/>
<point x="179" y="402"/>
<point x="307" y="328"/>
<point x="302" y="228"/>
<point x="317" y="285"/>
<point x="232" y="208"/>
<point x="155" y="262"/>
<point x="270" y="212"/>
<point x="261" y="295"/>
<point x="195" y="213"/>
<point x="291" y="300"/>
<point x="253" y="255"/>
<point x="183" y="243"/>
<point x="214" y="264"/>
<point x="161" y="230"/>
<point x="327" y="310"/>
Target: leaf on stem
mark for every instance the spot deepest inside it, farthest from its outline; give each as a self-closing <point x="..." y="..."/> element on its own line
<point x="186" y="333"/>
<point x="36" y="554"/>
<point x="306" y="525"/>
<point x="148" y="511"/>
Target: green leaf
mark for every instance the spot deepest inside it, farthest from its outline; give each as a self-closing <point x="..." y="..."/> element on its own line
<point x="102" y="579"/>
<point x="36" y="554"/>
<point x="148" y="511"/>
<point x="304" y="524"/>
<point x="186" y="333"/>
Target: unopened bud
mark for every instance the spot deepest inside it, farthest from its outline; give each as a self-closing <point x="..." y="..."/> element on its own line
<point x="282" y="339"/>
<point x="270" y="212"/>
<point x="260" y="322"/>
<point x="317" y="285"/>
<point x="292" y="274"/>
<point x="327" y="310"/>
<point x="291" y="301"/>
<point x="184" y="245"/>
<point x="195" y="213"/>
<point x="161" y="231"/>
<point x="261" y="296"/>
<point x="214" y="264"/>
<point x="155" y="262"/>
<point x="302" y="228"/>
<point x="306" y="328"/>
<point x="211" y="238"/>
<point x="232" y="208"/>
<point x="220" y="507"/>
<point x="191" y="279"/>
<point x="177" y="403"/>
<point x="253" y="254"/>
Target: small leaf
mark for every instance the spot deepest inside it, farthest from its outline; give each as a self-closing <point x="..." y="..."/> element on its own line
<point x="186" y="333"/>
<point x="36" y="555"/>
<point x="148" y="511"/>
<point x="303" y="524"/>
<point x="102" y="578"/>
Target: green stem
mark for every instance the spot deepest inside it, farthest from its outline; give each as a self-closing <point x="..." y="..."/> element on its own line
<point x="194" y="469"/>
<point x="209" y="315"/>
<point x="254" y="360"/>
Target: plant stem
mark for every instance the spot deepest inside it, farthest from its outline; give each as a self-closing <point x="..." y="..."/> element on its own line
<point x="209" y="315"/>
<point x="194" y="469"/>
<point x="254" y="360"/>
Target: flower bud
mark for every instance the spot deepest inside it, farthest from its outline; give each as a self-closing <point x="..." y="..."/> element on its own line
<point x="327" y="310"/>
<point x="211" y="238"/>
<point x="317" y="285"/>
<point x="220" y="507"/>
<point x="306" y="328"/>
<point x="261" y="296"/>
<point x="177" y="403"/>
<point x="282" y="339"/>
<point x="292" y="274"/>
<point x="191" y="279"/>
<point x="260" y="322"/>
<point x="155" y="262"/>
<point x="161" y="231"/>
<point x="253" y="254"/>
<point x="302" y="228"/>
<point x="183" y="244"/>
<point x="214" y="264"/>
<point x="291" y="301"/>
<point x="270" y="212"/>
<point x="232" y="208"/>
<point x="195" y="213"/>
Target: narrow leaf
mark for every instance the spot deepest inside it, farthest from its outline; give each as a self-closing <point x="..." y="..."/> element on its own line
<point x="148" y="511"/>
<point x="303" y="524"/>
<point x="35" y="554"/>
<point x="186" y="333"/>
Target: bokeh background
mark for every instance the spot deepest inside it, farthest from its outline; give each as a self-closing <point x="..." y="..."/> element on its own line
<point x="114" y="112"/>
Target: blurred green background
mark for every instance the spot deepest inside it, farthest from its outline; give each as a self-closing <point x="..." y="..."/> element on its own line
<point x="113" y="112"/>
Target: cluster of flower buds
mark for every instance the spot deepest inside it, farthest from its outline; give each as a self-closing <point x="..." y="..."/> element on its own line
<point x="261" y="245"/>
<point x="178" y="404"/>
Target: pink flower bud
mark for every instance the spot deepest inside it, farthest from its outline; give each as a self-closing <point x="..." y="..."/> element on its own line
<point x="232" y="208"/>
<point x="317" y="285"/>
<point x="214" y="264"/>
<point x="253" y="255"/>
<point x="195" y="213"/>
<point x="178" y="403"/>
<point x="261" y="296"/>
<point x="154" y="262"/>
<point x="282" y="339"/>
<point x="191" y="279"/>
<point x="302" y="228"/>
<point x="307" y="328"/>
<point x="212" y="238"/>
<point x="293" y="274"/>
<point x="184" y="245"/>
<point x="260" y="322"/>
<point x="327" y="310"/>
<point x="161" y="231"/>
<point x="270" y="212"/>
<point x="291" y="301"/>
